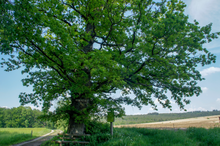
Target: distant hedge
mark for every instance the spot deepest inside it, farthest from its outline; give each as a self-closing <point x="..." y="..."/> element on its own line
<point x="21" y="116"/>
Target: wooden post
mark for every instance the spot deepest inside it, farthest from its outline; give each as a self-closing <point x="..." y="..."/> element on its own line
<point x="111" y="128"/>
<point x="31" y="133"/>
<point x="111" y="119"/>
<point x="219" y="119"/>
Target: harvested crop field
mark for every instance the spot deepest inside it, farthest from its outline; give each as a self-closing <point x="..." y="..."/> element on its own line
<point x="204" y="122"/>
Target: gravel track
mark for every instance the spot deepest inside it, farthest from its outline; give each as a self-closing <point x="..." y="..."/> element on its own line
<point x="38" y="141"/>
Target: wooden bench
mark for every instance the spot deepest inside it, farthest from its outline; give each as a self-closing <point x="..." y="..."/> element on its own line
<point x="64" y="137"/>
<point x="72" y="135"/>
<point x="68" y="142"/>
<point x="73" y="138"/>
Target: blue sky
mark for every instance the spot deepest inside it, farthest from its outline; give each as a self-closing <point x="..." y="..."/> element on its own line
<point x="205" y="12"/>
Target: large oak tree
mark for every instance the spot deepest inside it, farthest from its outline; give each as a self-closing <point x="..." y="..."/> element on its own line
<point x="80" y="51"/>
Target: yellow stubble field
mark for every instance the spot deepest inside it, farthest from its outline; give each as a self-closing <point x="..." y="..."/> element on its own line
<point x="204" y="122"/>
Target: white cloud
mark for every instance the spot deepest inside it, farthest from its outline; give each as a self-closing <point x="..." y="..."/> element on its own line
<point x="4" y="106"/>
<point x="204" y="89"/>
<point x="218" y="100"/>
<point x="210" y="70"/>
<point x="205" y="11"/>
<point x="177" y="110"/>
<point x="139" y="113"/>
<point x="34" y="107"/>
<point x="196" y="109"/>
<point x="156" y="101"/>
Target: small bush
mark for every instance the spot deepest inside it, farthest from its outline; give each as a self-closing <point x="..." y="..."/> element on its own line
<point x="97" y="138"/>
<point x="95" y="127"/>
<point x="100" y="132"/>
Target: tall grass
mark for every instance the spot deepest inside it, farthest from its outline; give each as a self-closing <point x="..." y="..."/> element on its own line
<point x="156" y="137"/>
<point x="205" y="136"/>
<point x="100" y="136"/>
<point x="149" y="137"/>
<point x="10" y="136"/>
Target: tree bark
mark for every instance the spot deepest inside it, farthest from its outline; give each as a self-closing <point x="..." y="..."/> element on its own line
<point x="75" y="128"/>
<point x="78" y="126"/>
<point x="80" y="105"/>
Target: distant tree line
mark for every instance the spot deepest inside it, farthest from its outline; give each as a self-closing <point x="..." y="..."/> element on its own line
<point x="22" y="117"/>
<point x="203" y="113"/>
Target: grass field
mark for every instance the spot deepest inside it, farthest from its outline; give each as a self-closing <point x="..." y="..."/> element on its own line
<point x="199" y="131"/>
<point x="155" y="137"/>
<point x="10" y="136"/>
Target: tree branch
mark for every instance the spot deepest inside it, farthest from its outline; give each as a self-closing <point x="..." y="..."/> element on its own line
<point x="73" y="7"/>
<point x="59" y="66"/>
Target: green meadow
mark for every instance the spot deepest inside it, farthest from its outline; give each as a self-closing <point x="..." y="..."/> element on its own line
<point x="100" y="133"/>
<point x="153" y="137"/>
<point x="10" y="136"/>
<point x="100" y="136"/>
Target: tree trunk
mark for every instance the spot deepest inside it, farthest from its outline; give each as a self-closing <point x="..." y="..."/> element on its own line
<point x="75" y="128"/>
<point x="78" y="126"/>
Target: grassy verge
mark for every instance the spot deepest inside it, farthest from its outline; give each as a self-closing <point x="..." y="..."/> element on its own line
<point x="155" y="137"/>
<point x="10" y="136"/>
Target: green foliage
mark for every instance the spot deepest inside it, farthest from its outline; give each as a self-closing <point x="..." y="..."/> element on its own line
<point x="135" y="137"/>
<point x="26" y="123"/>
<point x="209" y="137"/>
<point x="154" y="137"/>
<point x="21" y="116"/>
<point x="88" y="49"/>
<point x="100" y="132"/>
<point x="96" y="127"/>
<point x="95" y="139"/>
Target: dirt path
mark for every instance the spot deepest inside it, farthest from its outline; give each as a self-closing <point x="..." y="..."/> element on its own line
<point x="205" y="122"/>
<point x="38" y="141"/>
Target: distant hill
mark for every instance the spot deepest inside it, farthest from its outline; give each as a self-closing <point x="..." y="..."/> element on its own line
<point x="158" y="117"/>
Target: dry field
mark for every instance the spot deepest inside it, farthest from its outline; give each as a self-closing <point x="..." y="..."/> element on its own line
<point x="204" y="122"/>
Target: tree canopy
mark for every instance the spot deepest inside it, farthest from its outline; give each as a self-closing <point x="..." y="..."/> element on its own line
<point x="87" y="49"/>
